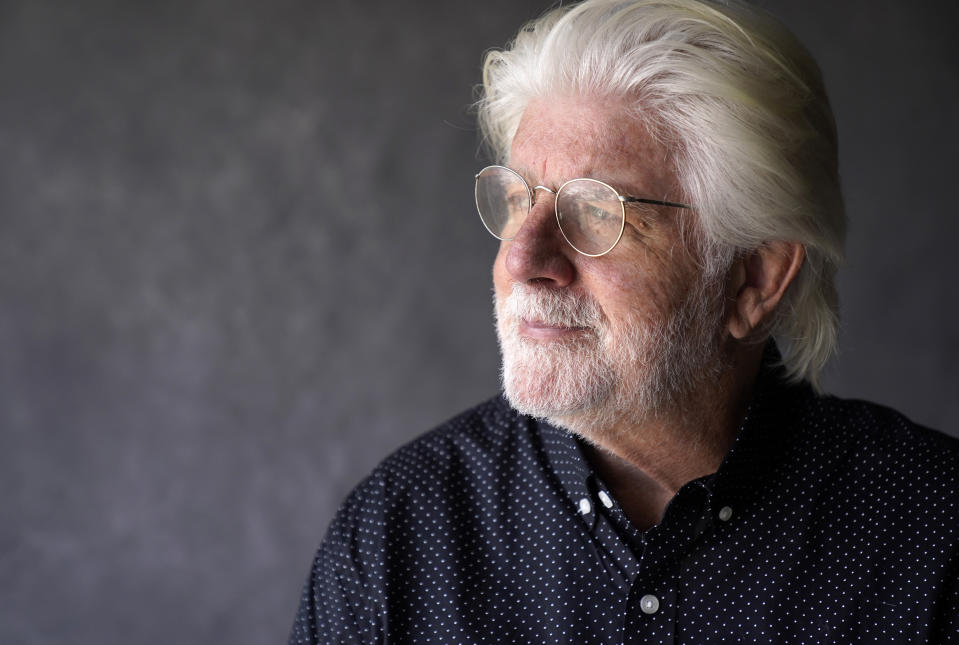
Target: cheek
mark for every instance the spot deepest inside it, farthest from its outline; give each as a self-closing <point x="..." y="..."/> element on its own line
<point x="647" y="288"/>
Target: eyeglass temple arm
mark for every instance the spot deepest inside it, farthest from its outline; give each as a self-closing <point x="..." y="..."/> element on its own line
<point x="654" y="202"/>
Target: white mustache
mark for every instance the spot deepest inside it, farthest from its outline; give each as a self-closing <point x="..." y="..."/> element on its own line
<point x="553" y="307"/>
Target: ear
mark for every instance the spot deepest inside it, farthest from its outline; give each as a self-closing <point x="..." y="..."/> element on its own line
<point x="758" y="282"/>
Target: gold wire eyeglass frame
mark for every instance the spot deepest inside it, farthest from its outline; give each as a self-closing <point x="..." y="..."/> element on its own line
<point x="531" y="193"/>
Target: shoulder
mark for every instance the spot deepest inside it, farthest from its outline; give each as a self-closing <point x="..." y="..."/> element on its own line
<point x="877" y="449"/>
<point x="879" y="431"/>
<point x="472" y="440"/>
<point x="472" y="451"/>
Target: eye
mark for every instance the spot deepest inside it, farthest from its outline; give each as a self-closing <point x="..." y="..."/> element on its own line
<point x="598" y="212"/>
<point x="517" y="201"/>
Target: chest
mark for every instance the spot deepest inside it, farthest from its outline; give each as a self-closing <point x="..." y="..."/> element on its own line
<point x="749" y="575"/>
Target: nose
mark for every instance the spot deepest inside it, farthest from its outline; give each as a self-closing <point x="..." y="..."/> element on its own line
<point x="538" y="251"/>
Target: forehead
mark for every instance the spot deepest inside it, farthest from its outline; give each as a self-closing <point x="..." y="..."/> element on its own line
<point x="563" y="138"/>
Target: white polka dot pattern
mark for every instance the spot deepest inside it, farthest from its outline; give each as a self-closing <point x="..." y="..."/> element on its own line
<point x="829" y="521"/>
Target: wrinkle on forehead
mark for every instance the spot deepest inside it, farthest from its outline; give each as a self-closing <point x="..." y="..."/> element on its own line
<point x="563" y="138"/>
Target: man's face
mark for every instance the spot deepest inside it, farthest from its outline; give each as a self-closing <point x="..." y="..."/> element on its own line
<point x="590" y="342"/>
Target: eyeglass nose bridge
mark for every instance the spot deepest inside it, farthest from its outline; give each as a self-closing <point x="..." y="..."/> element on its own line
<point x="533" y="201"/>
<point x="532" y="204"/>
<point x="533" y="192"/>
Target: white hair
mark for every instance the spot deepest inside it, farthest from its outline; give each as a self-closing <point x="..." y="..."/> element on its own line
<point x="741" y="106"/>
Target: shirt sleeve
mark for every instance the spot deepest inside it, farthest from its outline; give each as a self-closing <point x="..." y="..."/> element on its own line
<point x="333" y="608"/>
<point x="946" y="628"/>
<point x="342" y="601"/>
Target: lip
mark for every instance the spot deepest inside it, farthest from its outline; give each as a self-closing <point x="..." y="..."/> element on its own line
<point x="547" y="331"/>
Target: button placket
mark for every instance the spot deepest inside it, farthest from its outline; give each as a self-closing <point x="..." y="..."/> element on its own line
<point x="605" y="498"/>
<point x="649" y="604"/>
<point x="651" y="613"/>
<point x="585" y="506"/>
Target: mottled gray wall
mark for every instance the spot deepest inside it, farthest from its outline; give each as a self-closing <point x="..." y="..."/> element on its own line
<point x="239" y="263"/>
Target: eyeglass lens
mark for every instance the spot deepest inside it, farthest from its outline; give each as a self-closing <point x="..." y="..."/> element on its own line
<point x="503" y="200"/>
<point x="589" y="213"/>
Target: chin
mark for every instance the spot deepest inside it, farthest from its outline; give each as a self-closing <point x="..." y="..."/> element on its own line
<point x="615" y="376"/>
<point x="552" y="380"/>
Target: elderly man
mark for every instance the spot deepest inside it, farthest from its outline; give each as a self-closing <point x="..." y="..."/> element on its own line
<point x="661" y="467"/>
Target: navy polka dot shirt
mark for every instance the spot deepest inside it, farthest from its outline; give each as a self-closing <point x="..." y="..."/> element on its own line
<point x="829" y="521"/>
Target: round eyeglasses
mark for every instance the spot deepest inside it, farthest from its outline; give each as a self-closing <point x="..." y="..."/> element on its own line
<point x="591" y="214"/>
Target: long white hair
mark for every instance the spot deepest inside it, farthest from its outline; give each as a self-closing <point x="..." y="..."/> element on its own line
<point x="740" y="104"/>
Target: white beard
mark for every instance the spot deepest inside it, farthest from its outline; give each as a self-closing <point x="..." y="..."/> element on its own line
<point x="611" y="373"/>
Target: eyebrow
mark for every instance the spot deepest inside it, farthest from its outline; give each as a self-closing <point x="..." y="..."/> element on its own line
<point x="525" y="173"/>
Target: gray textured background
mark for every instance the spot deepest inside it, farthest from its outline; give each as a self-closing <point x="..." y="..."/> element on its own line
<point x="239" y="263"/>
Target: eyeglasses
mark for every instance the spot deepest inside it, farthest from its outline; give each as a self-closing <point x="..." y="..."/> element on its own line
<point x="591" y="214"/>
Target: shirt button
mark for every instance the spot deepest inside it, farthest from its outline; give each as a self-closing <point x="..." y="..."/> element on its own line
<point x="649" y="604"/>
<point x="605" y="499"/>
<point x="725" y="513"/>
<point x="584" y="506"/>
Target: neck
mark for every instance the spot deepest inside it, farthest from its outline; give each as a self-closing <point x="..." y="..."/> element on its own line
<point x="646" y="462"/>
